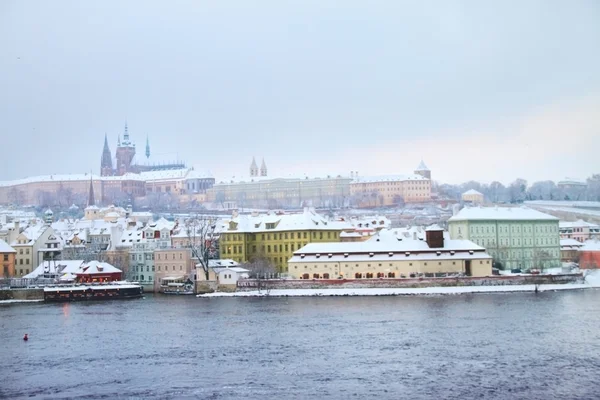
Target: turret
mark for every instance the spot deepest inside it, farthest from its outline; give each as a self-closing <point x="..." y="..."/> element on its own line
<point x="423" y="170"/>
<point x="253" y="168"/>
<point x="263" y="168"/>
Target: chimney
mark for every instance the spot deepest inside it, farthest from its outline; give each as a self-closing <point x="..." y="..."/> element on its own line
<point x="435" y="237"/>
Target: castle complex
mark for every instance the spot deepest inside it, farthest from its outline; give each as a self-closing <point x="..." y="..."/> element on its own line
<point x="125" y="159"/>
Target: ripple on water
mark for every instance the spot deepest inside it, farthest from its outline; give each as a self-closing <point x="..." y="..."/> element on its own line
<point x="454" y="347"/>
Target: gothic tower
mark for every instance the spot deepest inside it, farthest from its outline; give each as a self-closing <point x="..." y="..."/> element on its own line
<point x="106" y="167"/>
<point x="125" y="154"/>
<point x="423" y="170"/>
<point x="91" y="197"/>
<point x="263" y="168"/>
<point x="147" y="147"/>
<point x="253" y="168"/>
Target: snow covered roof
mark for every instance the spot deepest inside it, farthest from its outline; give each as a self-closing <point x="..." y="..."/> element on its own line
<point x="51" y="178"/>
<point x="577" y="224"/>
<point x="70" y="178"/>
<point x="199" y="173"/>
<point x="471" y="192"/>
<point x="5" y="248"/>
<point x="372" y="250"/>
<point x="222" y="263"/>
<point x="96" y="267"/>
<point x="590" y="245"/>
<point x="389" y="178"/>
<point x="266" y="179"/>
<point x="307" y="220"/>
<point x="56" y="267"/>
<point x="569" y="243"/>
<point x="572" y="181"/>
<point x="387" y="246"/>
<point x="164" y="175"/>
<point x="422" y="167"/>
<point x="159" y="225"/>
<point x="500" y="214"/>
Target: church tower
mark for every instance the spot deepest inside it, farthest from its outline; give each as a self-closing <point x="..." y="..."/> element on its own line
<point x="106" y="167"/>
<point x="263" y="168"/>
<point x="125" y="154"/>
<point x="91" y="197"/>
<point x="253" y="168"/>
<point x="147" y="147"/>
<point x="423" y="170"/>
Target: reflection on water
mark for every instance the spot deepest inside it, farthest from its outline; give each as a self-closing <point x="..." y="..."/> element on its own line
<point x="488" y="346"/>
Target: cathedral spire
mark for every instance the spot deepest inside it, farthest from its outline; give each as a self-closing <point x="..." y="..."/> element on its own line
<point x="106" y="161"/>
<point x="263" y="168"/>
<point x="91" y="198"/>
<point x="253" y="168"/>
<point x="126" y="134"/>
<point x="147" y="147"/>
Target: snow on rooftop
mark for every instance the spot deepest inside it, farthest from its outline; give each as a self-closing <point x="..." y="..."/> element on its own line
<point x="256" y="179"/>
<point x="591" y="245"/>
<point x="56" y="267"/>
<point x="472" y="192"/>
<point x="5" y="248"/>
<point x="51" y="178"/>
<point x="307" y="220"/>
<point x="389" y="178"/>
<point x="577" y="224"/>
<point x="386" y="247"/>
<point x="164" y="175"/>
<point x="500" y="214"/>
<point x="570" y="243"/>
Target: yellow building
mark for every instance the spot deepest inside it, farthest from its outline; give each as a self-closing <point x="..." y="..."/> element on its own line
<point x="387" y="190"/>
<point x="472" y="196"/>
<point x="275" y="237"/>
<point x="390" y="259"/>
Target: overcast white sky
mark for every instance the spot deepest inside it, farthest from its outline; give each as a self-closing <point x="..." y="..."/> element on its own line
<point x="484" y="90"/>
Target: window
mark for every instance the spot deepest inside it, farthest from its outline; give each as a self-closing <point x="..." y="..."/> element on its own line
<point x="5" y="257"/>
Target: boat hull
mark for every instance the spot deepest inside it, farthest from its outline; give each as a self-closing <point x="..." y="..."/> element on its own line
<point x="92" y="293"/>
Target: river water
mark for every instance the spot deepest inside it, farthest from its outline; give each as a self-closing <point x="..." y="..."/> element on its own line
<point x="489" y="346"/>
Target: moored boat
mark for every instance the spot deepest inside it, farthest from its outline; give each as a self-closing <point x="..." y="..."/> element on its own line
<point x="86" y="292"/>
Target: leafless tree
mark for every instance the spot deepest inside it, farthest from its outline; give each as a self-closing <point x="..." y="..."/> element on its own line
<point x="261" y="269"/>
<point x="541" y="258"/>
<point x="202" y="239"/>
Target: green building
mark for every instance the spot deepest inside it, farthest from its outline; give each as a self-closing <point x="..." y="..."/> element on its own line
<point x="516" y="237"/>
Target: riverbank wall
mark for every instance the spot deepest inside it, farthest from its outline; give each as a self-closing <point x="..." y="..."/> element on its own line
<point x="21" y="294"/>
<point x="290" y="284"/>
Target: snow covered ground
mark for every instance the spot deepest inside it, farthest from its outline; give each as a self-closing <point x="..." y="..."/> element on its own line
<point x="19" y="301"/>
<point x="592" y="281"/>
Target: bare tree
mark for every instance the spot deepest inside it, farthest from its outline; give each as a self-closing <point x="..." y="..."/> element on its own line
<point x="202" y="239"/>
<point x="261" y="270"/>
<point x="541" y="258"/>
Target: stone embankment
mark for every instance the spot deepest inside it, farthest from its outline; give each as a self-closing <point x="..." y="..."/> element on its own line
<point x="251" y="284"/>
